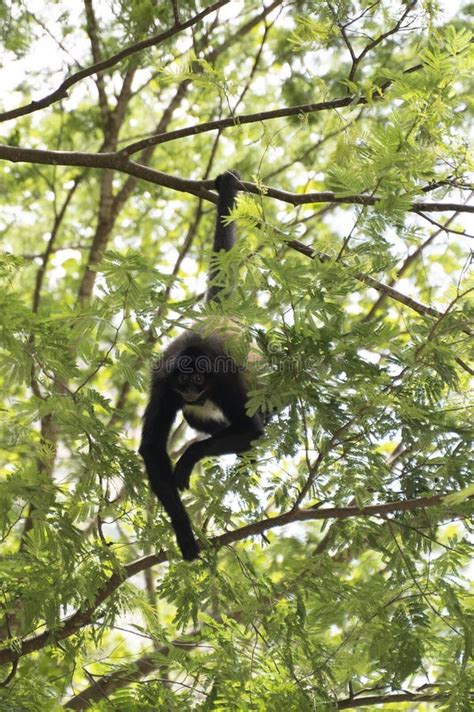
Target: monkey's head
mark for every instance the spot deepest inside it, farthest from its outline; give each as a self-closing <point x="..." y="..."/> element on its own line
<point x="191" y="386"/>
<point x="192" y="376"/>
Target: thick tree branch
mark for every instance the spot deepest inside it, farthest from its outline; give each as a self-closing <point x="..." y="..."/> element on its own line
<point x="201" y="188"/>
<point x="198" y="188"/>
<point x="357" y="199"/>
<point x="86" y="615"/>
<point x="62" y="91"/>
<point x="241" y="119"/>
<point x="301" y="515"/>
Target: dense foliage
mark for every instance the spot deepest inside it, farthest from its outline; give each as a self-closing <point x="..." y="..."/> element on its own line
<point x="335" y="571"/>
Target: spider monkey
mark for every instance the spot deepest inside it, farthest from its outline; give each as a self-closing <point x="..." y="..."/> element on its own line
<point x="198" y="376"/>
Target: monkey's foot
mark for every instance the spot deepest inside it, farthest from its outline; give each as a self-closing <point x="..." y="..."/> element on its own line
<point x="189" y="548"/>
<point x="182" y="472"/>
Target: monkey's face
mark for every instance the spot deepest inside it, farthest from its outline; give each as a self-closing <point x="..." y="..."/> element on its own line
<point x="192" y="386"/>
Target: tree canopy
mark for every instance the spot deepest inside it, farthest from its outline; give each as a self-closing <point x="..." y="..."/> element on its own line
<point x="335" y="566"/>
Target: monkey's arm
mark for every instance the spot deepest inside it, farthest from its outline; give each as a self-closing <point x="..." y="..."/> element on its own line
<point x="227" y="186"/>
<point x="235" y="439"/>
<point x="159" y="416"/>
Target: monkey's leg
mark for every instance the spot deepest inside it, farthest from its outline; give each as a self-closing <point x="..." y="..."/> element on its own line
<point x="159" y="416"/>
<point x="164" y="487"/>
<point x="232" y="440"/>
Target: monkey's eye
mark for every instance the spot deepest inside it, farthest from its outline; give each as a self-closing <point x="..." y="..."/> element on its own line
<point x="182" y="379"/>
<point x="198" y="379"/>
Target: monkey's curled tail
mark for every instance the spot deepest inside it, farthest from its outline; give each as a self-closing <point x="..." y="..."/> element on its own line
<point x="228" y="185"/>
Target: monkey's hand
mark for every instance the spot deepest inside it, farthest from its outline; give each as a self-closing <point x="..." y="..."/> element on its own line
<point x="228" y="182"/>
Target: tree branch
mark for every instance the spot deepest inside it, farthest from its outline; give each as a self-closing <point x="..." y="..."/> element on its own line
<point x="91" y="26"/>
<point x="125" y="675"/>
<point x="384" y="289"/>
<point x="210" y="57"/>
<point x="112" y="123"/>
<point x="198" y="188"/>
<point x="359" y="702"/>
<point x="240" y="120"/>
<point x="110" y="205"/>
<point x="86" y="615"/>
<point x="62" y="91"/>
<point x="48" y="428"/>
<point x="409" y="260"/>
<point x="201" y="188"/>
<point x="356" y="60"/>
<point x="50" y="244"/>
<point x="444" y="228"/>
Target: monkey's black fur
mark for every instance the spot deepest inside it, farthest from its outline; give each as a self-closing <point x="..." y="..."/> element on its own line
<point x="197" y="376"/>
